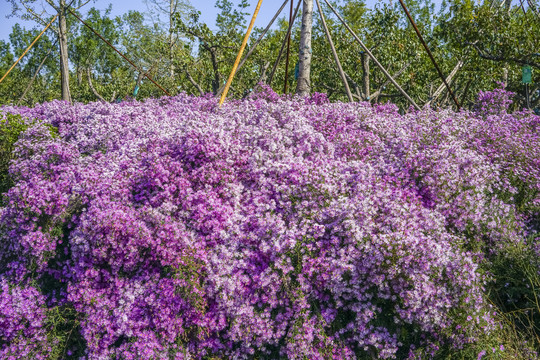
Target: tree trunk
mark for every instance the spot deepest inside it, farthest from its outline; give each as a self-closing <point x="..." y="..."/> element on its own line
<point x="194" y="83"/>
<point x="217" y="79"/>
<point x="303" y="86"/>
<point x="365" y="76"/>
<point x="91" y="84"/>
<point x="62" y="42"/>
<point x="466" y="92"/>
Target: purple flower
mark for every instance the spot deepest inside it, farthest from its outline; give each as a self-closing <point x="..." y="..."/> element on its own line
<point x="481" y="354"/>
<point x="274" y="227"/>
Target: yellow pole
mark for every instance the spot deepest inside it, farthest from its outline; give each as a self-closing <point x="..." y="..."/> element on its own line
<point x="28" y="48"/>
<point x="239" y="56"/>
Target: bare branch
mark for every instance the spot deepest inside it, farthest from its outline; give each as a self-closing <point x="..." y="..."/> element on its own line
<point x="484" y="55"/>
<point x="466" y="91"/>
<point x="83" y="4"/>
<point x="395" y="76"/>
<point x="39" y="18"/>
<point x="441" y="88"/>
<point x="89" y="73"/>
<point x="356" y="87"/>
<point x="533" y="7"/>
<point x="53" y="5"/>
<point x="262" y="78"/>
<point x="193" y="82"/>
<point x="35" y="75"/>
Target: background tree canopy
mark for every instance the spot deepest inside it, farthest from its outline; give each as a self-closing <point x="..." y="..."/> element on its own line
<point x="477" y="45"/>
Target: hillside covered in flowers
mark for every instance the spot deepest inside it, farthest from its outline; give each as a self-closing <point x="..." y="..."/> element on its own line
<point x="272" y="228"/>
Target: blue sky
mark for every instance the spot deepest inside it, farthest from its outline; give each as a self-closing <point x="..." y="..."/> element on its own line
<point x="209" y="12"/>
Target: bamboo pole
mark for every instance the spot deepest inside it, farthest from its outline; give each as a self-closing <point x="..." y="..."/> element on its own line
<point x="429" y="53"/>
<point x="336" y="58"/>
<point x="238" y="57"/>
<point x="220" y="91"/>
<point x="289" y="30"/>
<point x="385" y="72"/>
<point x="441" y="88"/>
<point x="28" y="48"/>
<point x="288" y="50"/>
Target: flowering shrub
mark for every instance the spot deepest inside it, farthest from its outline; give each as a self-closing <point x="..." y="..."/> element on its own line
<point x="494" y="102"/>
<point x="269" y="228"/>
<point x="22" y="316"/>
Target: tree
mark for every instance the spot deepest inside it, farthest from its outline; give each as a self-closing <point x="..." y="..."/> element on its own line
<point x="36" y="59"/>
<point x="26" y="10"/>
<point x="171" y="9"/>
<point x="216" y="49"/>
<point x="496" y="41"/>
<point x="303" y="86"/>
<point x="93" y="60"/>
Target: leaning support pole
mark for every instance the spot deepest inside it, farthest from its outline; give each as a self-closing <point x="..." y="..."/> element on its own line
<point x="28" y="48"/>
<point x="286" y="82"/>
<point x="119" y="53"/>
<point x="440" y="89"/>
<point x="336" y="58"/>
<point x="429" y="53"/>
<point x="289" y="30"/>
<point x="220" y="91"/>
<point x="373" y="58"/>
<point x="239" y="56"/>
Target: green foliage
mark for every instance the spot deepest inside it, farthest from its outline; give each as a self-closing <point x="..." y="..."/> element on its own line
<point x="11" y="126"/>
<point x="13" y="86"/>
<point x="216" y="49"/>
<point x="516" y="291"/>
<point x="496" y="41"/>
<point x="64" y="333"/>
<point x="185" y="54"/>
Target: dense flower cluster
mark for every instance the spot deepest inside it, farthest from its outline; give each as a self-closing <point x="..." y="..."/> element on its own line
<point x="269" y="228"/>
<point x="22" y="323"/>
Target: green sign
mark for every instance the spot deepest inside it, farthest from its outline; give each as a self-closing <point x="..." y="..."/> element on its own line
<point x="526" y="75"/>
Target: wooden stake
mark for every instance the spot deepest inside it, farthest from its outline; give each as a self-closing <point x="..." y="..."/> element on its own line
<point x="239" y="56"/>
<point x="429" y="53"/>
<point x="289" y="30"/>
<point x="220" y="91"/>
<point x="374" y="58"/>
<point x="28" y="48"/>
<point x="336" y="58"/>
<point x="288" y="51"/>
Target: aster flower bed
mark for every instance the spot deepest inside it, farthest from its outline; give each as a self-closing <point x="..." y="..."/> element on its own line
<point x="271" y="228"/>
